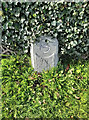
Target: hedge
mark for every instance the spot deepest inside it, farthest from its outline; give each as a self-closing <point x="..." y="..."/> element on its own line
<point x="27" y="21"/>
<point x="50" y="94"/>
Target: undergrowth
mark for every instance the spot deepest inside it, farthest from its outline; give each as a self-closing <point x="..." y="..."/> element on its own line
<point x="55" y="93"/>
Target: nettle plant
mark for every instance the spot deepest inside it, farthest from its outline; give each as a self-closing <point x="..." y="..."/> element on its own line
<point x="25" y="22"/>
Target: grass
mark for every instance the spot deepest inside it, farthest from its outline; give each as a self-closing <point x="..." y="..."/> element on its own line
<point x="56" y="93"/>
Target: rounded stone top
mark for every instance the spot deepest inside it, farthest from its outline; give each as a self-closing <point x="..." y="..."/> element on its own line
<point x="46" y="46"/>
<point x="47" y="39"/>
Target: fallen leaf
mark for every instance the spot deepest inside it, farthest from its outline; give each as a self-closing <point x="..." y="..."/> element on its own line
<point x="30" y="77"/>
<point x="78" y="98"/>
<point x="57" y="94"/>
<point x="67" y="68"/>
<point x="26" y="118"/>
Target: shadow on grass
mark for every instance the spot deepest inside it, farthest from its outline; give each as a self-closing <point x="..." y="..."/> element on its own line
<point x="67" y="59"/>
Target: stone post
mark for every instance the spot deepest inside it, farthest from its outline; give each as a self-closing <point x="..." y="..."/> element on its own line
<point x="44" y="54"/>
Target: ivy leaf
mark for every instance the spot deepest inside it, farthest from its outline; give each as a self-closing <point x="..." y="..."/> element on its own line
<point x="54" y="23"/>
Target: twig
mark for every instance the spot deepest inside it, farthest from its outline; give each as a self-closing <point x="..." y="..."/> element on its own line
<point x="7" y="50"/>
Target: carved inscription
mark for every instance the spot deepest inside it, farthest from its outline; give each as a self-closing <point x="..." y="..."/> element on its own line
<point x="44" y="54"/>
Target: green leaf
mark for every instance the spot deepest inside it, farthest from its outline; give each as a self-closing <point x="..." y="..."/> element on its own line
<point x="53" y="23"/>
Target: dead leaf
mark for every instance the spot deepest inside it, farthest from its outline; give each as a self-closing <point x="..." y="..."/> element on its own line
<point x="57" y="94"/>
<point x="26" y="118"/>
<point x="78" y="98"/>
<point x="30" y="77"/>
<point x="71" y="117"/>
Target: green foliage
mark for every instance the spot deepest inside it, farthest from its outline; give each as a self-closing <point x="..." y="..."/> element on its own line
<point x="49" y="94"/>
<point x="25" y="22"/>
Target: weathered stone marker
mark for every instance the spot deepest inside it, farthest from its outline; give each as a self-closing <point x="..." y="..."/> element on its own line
<point x="44" y="54"/>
